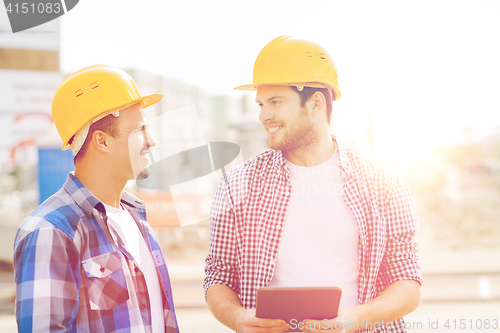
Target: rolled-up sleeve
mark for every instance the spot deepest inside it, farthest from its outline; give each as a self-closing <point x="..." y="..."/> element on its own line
<point x="221" y="262"/>
<point x="401" y="261"/>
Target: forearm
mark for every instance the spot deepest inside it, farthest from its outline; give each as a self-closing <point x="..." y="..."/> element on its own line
<point x="399" y="299"/>
<point x="225" y="305"/>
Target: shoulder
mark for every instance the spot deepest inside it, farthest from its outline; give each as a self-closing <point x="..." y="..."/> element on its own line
<point x="58" y="212"/>
<point x="373" y="171"/>
<point x="253" y="166"/>
<point x="369" y="163"/>
<point x="237" y="183"/>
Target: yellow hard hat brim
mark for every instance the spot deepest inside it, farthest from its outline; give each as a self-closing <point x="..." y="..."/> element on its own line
<point x="150" y="100"/>
<point x="249" y="87"/>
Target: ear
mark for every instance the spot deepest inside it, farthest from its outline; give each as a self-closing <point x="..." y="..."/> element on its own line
<point x="318" y="103"/>
<point x="100" y="141"/>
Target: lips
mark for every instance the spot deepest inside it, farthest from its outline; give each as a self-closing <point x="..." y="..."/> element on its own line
<point x="145" y="153"/>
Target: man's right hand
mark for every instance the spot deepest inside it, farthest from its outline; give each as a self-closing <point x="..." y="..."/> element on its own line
<point x="248" y="323"/>
<point x="226" y="307"/>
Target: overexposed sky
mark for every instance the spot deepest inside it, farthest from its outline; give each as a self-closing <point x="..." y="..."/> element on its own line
<point x="423" y="68"/>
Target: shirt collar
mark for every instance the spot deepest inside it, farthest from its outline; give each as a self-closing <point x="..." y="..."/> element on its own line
<point x="87" y="201"/>
<point x="278" y="159"/>
<point x="345" y="162"/>
<point x="345" y="165"/>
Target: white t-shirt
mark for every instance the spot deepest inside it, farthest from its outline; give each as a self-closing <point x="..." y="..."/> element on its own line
<point x="128" y="231"/>
<point x="319" y="244"/>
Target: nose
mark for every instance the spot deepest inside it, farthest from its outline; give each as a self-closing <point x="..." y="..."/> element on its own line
<point x="265" y="114"/>
<point x="150" y="141"/>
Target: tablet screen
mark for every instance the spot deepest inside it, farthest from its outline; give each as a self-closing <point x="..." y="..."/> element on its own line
<point x="294" y="304"/>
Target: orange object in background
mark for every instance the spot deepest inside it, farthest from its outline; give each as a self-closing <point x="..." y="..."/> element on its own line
<point x="162" y="211"/>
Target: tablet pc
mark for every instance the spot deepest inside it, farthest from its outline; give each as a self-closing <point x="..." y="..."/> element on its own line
<point x="294" y="304"/>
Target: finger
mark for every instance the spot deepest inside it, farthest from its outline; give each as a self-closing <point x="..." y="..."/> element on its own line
<point x="264" y="322"/>
<point x="316" y="326"/>
<point x="273" y="329"/>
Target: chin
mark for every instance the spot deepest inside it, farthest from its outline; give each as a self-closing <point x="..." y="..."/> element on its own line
<point x="275" y="147"/>
<point x="143" y="174"/>
<point x="275" y="144"/>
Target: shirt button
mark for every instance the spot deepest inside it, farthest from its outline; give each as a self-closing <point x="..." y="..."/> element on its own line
<point x="287" y="193"/>
<point x="102" y="269"/>
<point x="278" y="226"/>
<point x="143" y="307"/>
<point x="136" y="269"/>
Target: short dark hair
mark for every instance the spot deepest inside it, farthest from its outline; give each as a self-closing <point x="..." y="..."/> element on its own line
<point x="306" y="94"/>
<point x="108" y="124"/>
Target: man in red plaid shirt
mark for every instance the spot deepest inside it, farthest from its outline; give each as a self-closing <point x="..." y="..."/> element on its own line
<point x="310" y="212"/>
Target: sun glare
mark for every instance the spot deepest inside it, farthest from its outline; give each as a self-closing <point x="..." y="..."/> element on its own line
<point x="404" y="122"/>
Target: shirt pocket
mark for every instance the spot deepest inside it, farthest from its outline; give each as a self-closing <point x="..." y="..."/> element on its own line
<point x="105" y="281"/>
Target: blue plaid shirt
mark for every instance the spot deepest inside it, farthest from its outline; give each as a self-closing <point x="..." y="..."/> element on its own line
<point x="72" y="277"/>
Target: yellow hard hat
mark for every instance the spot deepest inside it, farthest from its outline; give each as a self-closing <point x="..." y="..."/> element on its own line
<point x="287" y="61"/>
<point x="90" y="94"/>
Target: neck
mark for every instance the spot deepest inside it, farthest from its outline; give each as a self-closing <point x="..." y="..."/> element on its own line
<point x="101" y="182"/>
<point x="314" y="154"/>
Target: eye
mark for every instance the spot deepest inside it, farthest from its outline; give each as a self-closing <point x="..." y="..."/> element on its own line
<point x="274" y="102"/>
<point x="142" y="129"/>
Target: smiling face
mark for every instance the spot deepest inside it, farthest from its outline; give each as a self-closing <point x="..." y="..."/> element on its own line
<point x="289" y="126"/>
<point x="132" y="143"/>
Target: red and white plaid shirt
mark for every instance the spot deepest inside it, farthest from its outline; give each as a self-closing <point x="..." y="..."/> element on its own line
<point x="249" y="209"/>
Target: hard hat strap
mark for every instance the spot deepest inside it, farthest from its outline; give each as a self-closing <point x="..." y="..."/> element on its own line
<point x="81" y="135"/>
<point x="79" y="138"/>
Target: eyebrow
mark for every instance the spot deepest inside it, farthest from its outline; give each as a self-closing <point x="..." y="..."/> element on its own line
<point x="271" y="98"/>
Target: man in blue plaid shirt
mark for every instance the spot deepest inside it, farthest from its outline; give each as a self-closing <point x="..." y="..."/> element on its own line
<point x="86" y="260"/>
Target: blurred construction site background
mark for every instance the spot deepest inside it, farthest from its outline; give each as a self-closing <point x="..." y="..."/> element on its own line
<point x="452" y="167"/>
